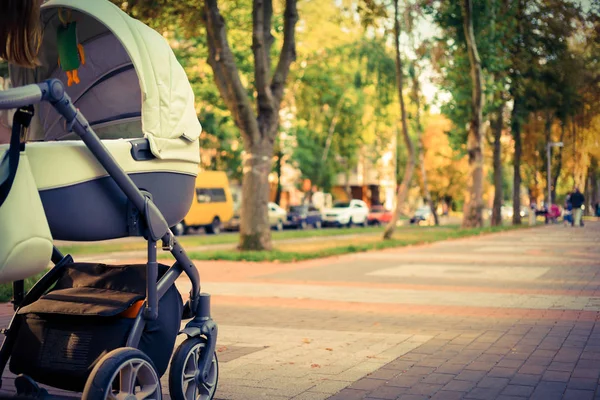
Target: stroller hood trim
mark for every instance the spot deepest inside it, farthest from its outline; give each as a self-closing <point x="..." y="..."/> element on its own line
<point x="169" y="119"/>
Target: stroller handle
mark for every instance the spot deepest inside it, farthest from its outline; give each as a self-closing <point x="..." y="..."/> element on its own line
<point x="22" y="96"/>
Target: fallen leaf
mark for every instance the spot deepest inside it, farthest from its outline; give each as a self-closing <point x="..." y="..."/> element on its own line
<point x="315" y="366"/>
<point x="328" y="349"/>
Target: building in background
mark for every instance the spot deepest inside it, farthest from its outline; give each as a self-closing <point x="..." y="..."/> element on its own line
<point x="373" y="181"/>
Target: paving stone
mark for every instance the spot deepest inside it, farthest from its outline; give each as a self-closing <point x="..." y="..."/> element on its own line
<point x="556" y="376"/>
<point x="447" y="395"/>
<point x="367" y="384"/>
<point x="387" y="392"/>
<point x="518" y="390"/>
<point x="481" y="393"/>
<point x="384" y="374"/>
<point x="531" y="369"/>
<point x="582" y="383"/>
<point x="349" y="394"/>
<point x="450" y="368"/>
<point x="502" y="372"/>
<point x="561" y="366"/>
<point x="438" y="379"/>
<point x="412" y="397"/>
<point x="549" y="390"/>
<point x="577" y="394"/>
<point x="490" y="382"/>
<point x="425" y="389"/>
<point x="459" y="386"/>
<point x="471" y="376"/>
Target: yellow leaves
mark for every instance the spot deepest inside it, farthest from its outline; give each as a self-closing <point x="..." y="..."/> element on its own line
<point x="446" y="176"/>
<point x="323" y="25"/>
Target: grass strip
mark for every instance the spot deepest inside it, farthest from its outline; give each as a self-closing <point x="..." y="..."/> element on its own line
<point x="286" y="253"/>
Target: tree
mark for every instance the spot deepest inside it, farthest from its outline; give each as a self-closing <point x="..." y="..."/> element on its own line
<point x="259" y="128"/>
<point x="497" y="125"/>
<point x="410" y="161"/>
<point x="258" y="125"/>
<point x="473" y="216"/>
<point x="491" y="24"/>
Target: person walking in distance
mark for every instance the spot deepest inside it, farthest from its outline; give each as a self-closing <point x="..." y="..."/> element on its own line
<point x="577" y="200"/>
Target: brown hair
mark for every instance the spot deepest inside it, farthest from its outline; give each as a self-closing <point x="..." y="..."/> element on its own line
<point x="20" y="32"/>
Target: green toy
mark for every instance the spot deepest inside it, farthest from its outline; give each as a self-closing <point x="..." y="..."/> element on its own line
<point x="70" y="52"/>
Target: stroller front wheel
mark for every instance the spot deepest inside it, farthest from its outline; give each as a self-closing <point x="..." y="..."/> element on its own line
<point x="124" y="373"/>
<point x="184" y="379"/>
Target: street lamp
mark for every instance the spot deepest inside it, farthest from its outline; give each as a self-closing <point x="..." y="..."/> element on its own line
<point x="548" y="146"/>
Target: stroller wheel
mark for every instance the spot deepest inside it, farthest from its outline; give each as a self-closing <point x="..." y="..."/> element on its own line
<point x="184" y="376"/>
<point x="124" y="373"/>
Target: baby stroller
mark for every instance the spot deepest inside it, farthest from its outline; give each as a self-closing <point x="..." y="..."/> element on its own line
<point x="108" y="331"/>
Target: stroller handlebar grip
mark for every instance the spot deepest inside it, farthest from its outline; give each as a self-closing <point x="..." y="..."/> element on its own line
<point x="20" y="96"/>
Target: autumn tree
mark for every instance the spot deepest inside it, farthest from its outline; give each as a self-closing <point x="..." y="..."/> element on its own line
<point x="464" y="76"/>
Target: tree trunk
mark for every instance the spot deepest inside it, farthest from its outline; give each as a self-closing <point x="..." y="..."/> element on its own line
<point x="557" y="170"/>
<point x="497" y="126"/>
<point x="548" y="136"/>
<point x="517" y="54"/>
<point x="278" y="166"/>
<point x="258" y="128"/>
<point x="255" y="230"/>
<point x="516" y="131"/>
<point x="473" y="210"/>
<point x="410" y="161"/>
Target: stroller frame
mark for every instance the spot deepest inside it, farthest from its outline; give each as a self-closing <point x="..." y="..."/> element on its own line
<point x="152" y="224"/>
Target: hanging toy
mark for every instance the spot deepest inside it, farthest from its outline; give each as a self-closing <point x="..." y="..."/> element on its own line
<point x="70" y="52"/>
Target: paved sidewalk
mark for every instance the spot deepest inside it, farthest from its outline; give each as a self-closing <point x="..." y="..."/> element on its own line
<point x="504" y="316"/>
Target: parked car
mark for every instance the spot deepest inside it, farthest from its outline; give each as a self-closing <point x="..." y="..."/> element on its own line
<point x="301" y="217"/>
<point x="277" y="218"/>
<point x="379" y="215"/>
<point x="423" y="216"/>
<point x="348" y="213"/>
<point x="211" y="207"/>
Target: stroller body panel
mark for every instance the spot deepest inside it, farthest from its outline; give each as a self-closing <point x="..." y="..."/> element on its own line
<point x="82" y="202"/>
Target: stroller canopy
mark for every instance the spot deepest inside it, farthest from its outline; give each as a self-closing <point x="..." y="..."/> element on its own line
<point x="131" y="84"/>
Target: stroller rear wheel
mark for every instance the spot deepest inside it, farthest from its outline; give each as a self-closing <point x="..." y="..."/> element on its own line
<point x="124" y="373"/>
<point x="184" y="376"/>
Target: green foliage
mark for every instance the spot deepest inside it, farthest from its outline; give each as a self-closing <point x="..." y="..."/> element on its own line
<point x="493" y="26"/>
<point x="338" y="90"/>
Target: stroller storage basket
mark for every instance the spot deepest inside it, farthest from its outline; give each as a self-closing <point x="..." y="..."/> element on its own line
<point x="89" y="312"/>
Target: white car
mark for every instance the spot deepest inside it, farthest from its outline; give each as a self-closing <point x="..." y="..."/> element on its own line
<point x="277" y="216"/>
<point x="354" y="212"/>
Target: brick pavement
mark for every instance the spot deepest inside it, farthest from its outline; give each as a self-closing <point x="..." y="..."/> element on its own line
<point x="504" y="316"/>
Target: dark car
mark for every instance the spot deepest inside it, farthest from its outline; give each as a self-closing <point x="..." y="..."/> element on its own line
<point x="301" y="217"/>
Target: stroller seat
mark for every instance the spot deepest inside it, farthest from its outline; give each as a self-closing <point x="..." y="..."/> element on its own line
<point x="83" y="203"/>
